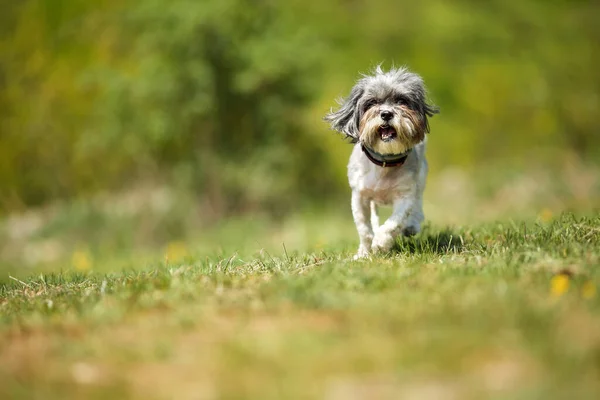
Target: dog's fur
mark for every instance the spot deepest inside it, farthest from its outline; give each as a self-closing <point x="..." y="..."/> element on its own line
<point x="377" y="103"/>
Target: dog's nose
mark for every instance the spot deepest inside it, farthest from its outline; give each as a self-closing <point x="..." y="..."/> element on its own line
<point x="386" y="115"/>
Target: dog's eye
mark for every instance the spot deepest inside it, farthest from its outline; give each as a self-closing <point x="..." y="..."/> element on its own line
<point x="401" y="100"/>
<point x="368" y="104"/>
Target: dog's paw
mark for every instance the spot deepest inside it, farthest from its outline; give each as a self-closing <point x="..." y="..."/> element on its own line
<point x="362" y="253"/>
<point x="410" y="230"/>
<point x="382" y="242"/>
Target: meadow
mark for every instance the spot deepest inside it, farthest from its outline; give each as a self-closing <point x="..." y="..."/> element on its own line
<point x="254" y="309"/>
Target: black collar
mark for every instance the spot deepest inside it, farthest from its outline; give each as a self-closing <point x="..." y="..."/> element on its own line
<point x="385" y="160"/>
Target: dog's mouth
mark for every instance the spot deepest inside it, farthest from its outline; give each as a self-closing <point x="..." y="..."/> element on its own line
<point x="387" y="133"/>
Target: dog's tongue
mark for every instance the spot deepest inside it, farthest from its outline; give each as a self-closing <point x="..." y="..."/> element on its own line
<point x="387" y="133"/>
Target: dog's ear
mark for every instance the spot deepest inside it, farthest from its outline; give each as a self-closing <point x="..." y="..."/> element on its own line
<point x="429" y="110"/>
<point x="345" y="120"/>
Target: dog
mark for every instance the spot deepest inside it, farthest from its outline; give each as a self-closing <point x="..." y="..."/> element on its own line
<point x="386" y="117"/>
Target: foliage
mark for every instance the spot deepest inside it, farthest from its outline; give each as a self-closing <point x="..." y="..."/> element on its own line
<point x="225" y="97"/>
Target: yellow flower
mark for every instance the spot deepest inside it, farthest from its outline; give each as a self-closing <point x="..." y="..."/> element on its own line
<point x="559" y="284"/>
<point x="175" y="251"/>
<point x="545" y="215"/>
<point x="81" y="260"/>
<point x="588" y="290"/>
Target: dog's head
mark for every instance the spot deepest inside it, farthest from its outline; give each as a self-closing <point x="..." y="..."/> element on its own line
<point x="386" y="111"/>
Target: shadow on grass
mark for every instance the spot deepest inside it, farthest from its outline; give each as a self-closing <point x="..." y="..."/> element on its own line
<point x="443" y="242"/>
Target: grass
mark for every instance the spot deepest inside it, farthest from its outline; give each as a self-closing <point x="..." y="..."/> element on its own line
<point x="497" y="310"/>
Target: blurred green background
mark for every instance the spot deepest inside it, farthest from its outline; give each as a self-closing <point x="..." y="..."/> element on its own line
<point x="126" y="123"/>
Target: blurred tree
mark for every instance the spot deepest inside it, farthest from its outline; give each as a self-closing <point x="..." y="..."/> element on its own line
<point x="217" y="90"/>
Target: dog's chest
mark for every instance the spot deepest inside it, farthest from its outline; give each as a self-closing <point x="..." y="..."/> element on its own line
<point x="384" y="186"/>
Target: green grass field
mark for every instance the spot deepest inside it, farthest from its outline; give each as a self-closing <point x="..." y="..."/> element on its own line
<point x="492" y="310"/>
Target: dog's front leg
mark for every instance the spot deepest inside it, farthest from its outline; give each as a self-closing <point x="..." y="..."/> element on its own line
<point x="386" y="234"/>
<point x="360" y="212"/>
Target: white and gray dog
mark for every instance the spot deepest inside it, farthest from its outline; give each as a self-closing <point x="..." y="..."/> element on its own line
<point x="385" y="115"/>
